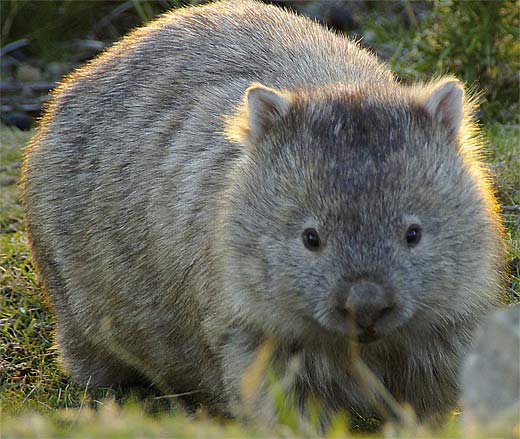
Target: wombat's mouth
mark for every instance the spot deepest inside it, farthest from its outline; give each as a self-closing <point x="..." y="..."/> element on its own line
<point x="367" y="337"/>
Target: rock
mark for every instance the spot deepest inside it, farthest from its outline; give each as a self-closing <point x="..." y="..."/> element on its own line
<point x="337" y="14"/>
<point x="58" y="69"/>
<point x="18" y="119"/>
<point x="27" y="73"/>
<point x="491" y="378"/>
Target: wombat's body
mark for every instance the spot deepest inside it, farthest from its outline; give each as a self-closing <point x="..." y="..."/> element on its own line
<point x="177" y="225"/>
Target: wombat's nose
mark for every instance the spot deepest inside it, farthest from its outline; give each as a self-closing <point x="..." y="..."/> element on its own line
<point x="367" y="303"/>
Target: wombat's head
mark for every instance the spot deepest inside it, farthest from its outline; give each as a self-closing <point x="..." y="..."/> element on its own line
<point x="360" y="211"/>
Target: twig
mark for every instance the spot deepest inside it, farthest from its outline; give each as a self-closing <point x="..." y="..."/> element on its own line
<point x="177" y="394"/>
<point x="410" y="13"/>
<point x="7" y="181"/>
<point x="10" y="167"/>
<point x="81" y="404"/>
<point x="46" y="406"/>
<point x="27" y="396"/>
<point x="513" y="208"/>
<point x="11" y="47"/>
<point x="105" y="21"/>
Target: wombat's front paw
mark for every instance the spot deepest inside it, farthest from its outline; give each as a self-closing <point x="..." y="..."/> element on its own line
<point x="246" y="359"/>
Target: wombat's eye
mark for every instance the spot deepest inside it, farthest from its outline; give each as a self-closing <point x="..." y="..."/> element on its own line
<point x="413" y="235"/>
<point x="311" y="239"/>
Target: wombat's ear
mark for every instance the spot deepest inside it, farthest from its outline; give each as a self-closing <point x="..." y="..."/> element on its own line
<point x="446" y="104"/>
<point x="262" y="108"/>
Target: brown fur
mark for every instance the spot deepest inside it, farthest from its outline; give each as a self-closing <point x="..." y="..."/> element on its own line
<point x="165" y="208"/>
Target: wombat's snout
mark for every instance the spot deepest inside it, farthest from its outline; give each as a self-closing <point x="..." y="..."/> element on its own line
<point x="365" y="303"/>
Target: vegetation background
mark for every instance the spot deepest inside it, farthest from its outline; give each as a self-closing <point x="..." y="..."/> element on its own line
<point x="41" y="41"/>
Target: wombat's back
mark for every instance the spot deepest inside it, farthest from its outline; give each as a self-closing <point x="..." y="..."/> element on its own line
<point x="112" y="122"/>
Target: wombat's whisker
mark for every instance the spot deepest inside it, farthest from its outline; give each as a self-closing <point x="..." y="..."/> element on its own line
<point x="177" y="395"/>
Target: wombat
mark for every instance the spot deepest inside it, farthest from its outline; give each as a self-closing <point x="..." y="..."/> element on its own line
<point x="234" y="173"/>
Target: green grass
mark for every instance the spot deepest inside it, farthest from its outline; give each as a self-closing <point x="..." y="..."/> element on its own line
<point x="504" y="149"/>
<point x="477" y="41"/>
<point x="38" y="400"/>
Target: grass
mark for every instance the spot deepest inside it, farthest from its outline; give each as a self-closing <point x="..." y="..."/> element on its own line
<point x="38" y="400"/>
<point x="477" y="41"/>
<point x="505" y="156"/>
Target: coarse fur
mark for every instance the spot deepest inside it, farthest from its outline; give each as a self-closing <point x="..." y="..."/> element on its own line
<point x="170" y="181"/>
